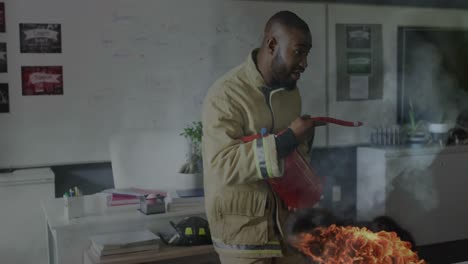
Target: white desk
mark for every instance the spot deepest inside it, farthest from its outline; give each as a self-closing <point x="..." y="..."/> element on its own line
<point x="67" y="240"/>
<point x="168" y="255"/>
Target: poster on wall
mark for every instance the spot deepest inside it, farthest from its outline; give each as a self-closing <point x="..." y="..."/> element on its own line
<point x="359" y="62"/>
<point x="42" y="80"/>
<point x="358" y="37"/>
<point x="2" y="17"/>
<point x="4" y="98"/>
<point x="40" y="38"/>
<point x="3" y="57"/>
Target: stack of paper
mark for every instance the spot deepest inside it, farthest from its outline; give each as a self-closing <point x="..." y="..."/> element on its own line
<point x="138" y="242"/>
<point x="114" y="199"/>
<point x="185" y="200"/>
<point x="129" y="196"/>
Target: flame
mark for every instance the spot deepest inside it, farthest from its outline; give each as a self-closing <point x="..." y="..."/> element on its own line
<point x="337" y="245"/>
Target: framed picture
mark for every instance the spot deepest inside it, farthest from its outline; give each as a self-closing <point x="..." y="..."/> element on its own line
<point x="2" y="18"/>
<point x="40" y="38"/>
<point x="3" y="57"/>
<point x="358" y="37"/>
<point x="42" y="80"/>
<point x="4" y="98"/>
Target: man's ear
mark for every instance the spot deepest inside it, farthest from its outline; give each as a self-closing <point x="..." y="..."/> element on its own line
<point x="272" y="44"/>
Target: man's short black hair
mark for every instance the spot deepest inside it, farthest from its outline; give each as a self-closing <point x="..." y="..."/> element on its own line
<point x="288" y="19"/>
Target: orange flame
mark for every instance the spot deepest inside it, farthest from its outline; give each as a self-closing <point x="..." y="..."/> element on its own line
<point x="337" y="245"/>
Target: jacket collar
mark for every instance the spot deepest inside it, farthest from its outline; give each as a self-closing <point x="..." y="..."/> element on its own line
<point x="252" y="72"/>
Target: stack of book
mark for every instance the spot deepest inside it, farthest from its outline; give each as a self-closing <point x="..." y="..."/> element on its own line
<point x="129" y="196"/>
<point x="185" y="200"/>
<point x="110" y="246"/>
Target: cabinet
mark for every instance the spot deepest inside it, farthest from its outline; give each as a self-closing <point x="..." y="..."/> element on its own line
<point x="22" y="225"/>
<point x="424" y="189"/>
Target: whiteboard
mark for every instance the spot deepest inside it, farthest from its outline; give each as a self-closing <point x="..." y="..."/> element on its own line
<point x="134" y="65"/>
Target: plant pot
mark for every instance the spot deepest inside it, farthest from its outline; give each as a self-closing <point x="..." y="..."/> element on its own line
<point x="439" y="132"/>
<point x="189" y="180"/>
<point x="417" y="139"/>
<point x="438" y="127"/>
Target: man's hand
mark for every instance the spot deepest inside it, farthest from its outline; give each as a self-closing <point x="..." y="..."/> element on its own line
<point x="304" y="126"/>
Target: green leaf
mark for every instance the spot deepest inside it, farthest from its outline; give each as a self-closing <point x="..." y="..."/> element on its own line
<point x="194" y="131"/>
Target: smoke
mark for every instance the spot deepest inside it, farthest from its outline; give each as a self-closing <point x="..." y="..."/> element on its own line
<point x="412" y="179"/>
<point x="416" y="180"/>
<point x="435" y="81"/>
<point x="432" y="83"/>
<point x="336" y="167"/>
<point x="396" y="183"/>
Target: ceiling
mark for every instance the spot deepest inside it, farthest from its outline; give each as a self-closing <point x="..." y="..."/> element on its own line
<point x="461" y="4"/>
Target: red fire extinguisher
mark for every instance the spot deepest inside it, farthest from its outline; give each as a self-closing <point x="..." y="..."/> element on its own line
<point x="300" y="187"/>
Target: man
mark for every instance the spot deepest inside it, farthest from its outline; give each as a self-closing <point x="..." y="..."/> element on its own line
<point x="246" y="218"/>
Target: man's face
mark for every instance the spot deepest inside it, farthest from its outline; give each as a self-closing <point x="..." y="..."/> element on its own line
<point x="290" y="58"/>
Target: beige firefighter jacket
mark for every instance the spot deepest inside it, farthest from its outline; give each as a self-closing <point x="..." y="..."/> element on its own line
<point x="246" y="218"/>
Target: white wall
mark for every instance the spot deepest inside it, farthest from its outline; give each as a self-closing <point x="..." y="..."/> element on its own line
<point x="379" y="112"/>
<point x="145" y="66"/>
<point x="133" y="66"/>
<point x="152" y="157"/>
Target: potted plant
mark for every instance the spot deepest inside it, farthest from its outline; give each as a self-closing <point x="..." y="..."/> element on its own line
<point x="416" y="132"/>
<point x="193" y="134"/>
